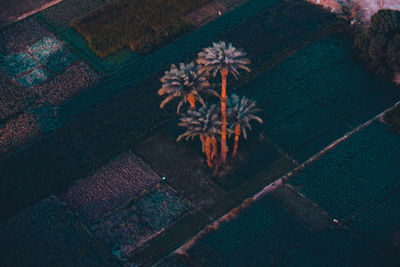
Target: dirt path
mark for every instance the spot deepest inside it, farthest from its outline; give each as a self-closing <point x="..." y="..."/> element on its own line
<point x="15" y="10"/>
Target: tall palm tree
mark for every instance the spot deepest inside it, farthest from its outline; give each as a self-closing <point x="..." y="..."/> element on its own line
<point x="223" y="58"/>
<point x="240" y="112"/>
<point x="204" y="123"/>
<point x="185" y="82"/>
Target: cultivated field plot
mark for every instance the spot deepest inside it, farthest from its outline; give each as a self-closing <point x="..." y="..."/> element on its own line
<point x="336" y="248"/>
<point x="316" y="96"/>
<point x="58" y="19"/>
<point x="184" y="169"/>
<point x="380" y="224"/>
<point x="69" y="83"/>
<point x="111" y="186"/>
<point x="19" y="36"/>
<point x="182" y="49"/>
<point x="38" y="61"/>
<point x="277" y="28"/>
<point x="139" y="220"/>
<point x="252" y="239"/>
<point x="13" y="97"/>
<point x="47" y="234"/>
<point x="355" y="174"/>
<point x="17" y="132"/>
<point x="11" y="10"/>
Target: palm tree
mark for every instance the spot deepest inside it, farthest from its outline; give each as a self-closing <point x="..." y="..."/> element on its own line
<point x="223" y="58"/>
<point x="204" y="123"/>
<point x="186" y="83"/>
<point x="240" y="112"/>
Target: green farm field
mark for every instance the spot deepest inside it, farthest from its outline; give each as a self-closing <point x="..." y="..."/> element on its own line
<point x="311" y="90"/>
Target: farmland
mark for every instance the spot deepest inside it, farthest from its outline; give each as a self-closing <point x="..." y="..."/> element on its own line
<point x="86" y="151"/>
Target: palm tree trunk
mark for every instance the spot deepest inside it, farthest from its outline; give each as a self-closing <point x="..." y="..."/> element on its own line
<point x="192" y="101"/>
<point x="208" y="151"/>
<point x="214" y="147"/>
<point x="224" y="148"/>
<point x="237" y="134"/>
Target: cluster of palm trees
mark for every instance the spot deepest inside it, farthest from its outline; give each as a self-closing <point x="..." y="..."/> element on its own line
<point x="211" y="123"/>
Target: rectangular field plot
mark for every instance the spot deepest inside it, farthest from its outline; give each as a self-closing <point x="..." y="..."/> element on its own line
<point x="132" y="225"/>
<point x="184" y="169"/>
<point x="262" y="234"/>
<point x="316" y="96"/>
<point x="277" y="28"/>
<point x="380" y="224"/>
<point x="48" y="234"/>
<point x="111" y="186"/>
<point x="338" y="248"/>
<point x="58" y="17"/>
<point x="13" y="97"/>
<point x="108" y="65"/>
<point x="20" y="35"/>
<point x="74" y="79"/>
<point x="354" y="174"/>
<point x="17" y="132"/>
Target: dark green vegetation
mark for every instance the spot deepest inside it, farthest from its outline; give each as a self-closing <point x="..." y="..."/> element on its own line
<point x="141" y="25"/>
<point x="128" y="227"/>
<point x="308" y="100"/>
<point x="392" y="117"/>
<point x="316" y="96"/>
<point x="379" y="44"/>
<point x="380" y="224"/>
<point x="47" y="234"/>
<point x="355" y="174"/>
<point x="267" y="234"/>
<point x="278" y="28"/>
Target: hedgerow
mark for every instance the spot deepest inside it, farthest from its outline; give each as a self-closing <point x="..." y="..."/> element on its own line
<point x="141" y="25"/>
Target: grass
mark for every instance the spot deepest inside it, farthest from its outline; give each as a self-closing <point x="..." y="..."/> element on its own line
<point x="141" y="25"/>
<point x="354" y="174"/>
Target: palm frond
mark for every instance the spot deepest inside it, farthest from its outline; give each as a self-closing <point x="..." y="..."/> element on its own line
<point x="241" y="111"/>
<point x="183" y="81"/>
<point x="223" y="56"/>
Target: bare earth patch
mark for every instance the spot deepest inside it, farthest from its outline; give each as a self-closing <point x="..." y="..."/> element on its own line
<point x="17" y="132"/>
<point x="111" y="186"/>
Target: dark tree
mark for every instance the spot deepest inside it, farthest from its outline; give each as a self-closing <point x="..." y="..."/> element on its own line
<point x="379" y="44"/>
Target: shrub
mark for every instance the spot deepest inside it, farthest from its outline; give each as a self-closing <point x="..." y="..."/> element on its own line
<point x="379" y="44"/>
<point x="139" y="24"/>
